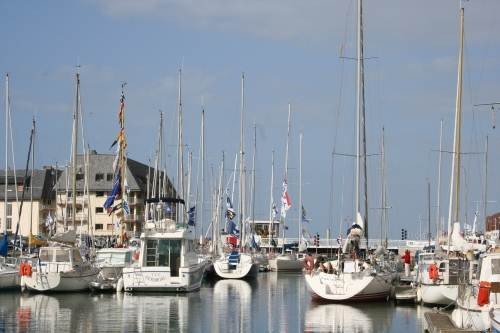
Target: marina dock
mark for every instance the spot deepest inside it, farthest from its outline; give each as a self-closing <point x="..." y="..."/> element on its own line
<point x="437" y="322"/>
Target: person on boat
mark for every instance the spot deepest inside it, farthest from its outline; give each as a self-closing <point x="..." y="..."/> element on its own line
<point x="407" y="260"/>
<point x="433" y="272"/>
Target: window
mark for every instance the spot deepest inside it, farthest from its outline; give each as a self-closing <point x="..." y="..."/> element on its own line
<point x="9" y="209"/>
<point x="62" y="255"/>
<point x="80" y="176"/>
<point x="99" y="177"/>
<point x="98" y="227"/>
<point x="99" y="210"/>
<point x="99" y="194"/>
<point x="131" y="210"/>
<point x="109" y="177"/>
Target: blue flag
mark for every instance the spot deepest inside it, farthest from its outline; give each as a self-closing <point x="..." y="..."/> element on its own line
<point x="115" y="192"/>
<point x="192" y="216"/>
<point x="4" y="246"/>
<point x="231" y="228"/>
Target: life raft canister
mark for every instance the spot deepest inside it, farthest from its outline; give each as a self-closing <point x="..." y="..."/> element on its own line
<point x="483" y="296"/>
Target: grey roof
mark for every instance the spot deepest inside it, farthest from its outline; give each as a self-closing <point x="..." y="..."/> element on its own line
<point x="102" y="164"/>
<point x="43" y="184"/>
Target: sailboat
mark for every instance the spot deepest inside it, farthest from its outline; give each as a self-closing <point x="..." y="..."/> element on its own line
<point x="8" y="272"/>
<point x="62" y="268"/>
<point x="352" y="278"/>
<point x="168" y="261"/>
<point x="287" y="261"/>
<point x="236" y="263"/>
<point x="452" y="268"/>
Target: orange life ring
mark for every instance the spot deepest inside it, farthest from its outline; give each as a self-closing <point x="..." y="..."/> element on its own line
<point x="27" y="269"/>
<point x="309" y="263"/>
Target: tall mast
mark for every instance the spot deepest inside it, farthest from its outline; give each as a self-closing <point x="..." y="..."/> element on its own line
<point x="202" y="196"/>
<point x="271" y="199"/>
<point x="253" y="174"/>
<point x="438" y="205"/>
<point x="383" y="226"/>
<point x="454" y="209"/>
<point x="485" y="204"/>
<point x="241" y="203"/>
<point x="300" y="189"/>
<point x="31" y="187"/>
<point x="286" y="173"/>
<point x="74" y="144"/>
<point x="180" y="156"/>
<point x="123" y="162"/>
<point x="6" y="150"/>
<point x="429" y="211"/>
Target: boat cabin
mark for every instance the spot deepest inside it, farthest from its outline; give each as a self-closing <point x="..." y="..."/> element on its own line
<point x="119" y="257"/>
<point x="55" y="259"/>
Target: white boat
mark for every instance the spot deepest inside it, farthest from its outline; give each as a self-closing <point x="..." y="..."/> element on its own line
<point x="452" y="271"/>
<point x="288" y="262"/>
<point x="9" y="276"/>
<point x="167" y="261"/>
<point x="111" y="262"/>
<point x="236" y="265"/>
<point x="356" y="281"/>
<point x="475" y="300"/>
<point x="60" y="269"/>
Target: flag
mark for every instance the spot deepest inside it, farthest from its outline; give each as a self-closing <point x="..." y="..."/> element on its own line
<point x="286" y="202"/>
<point x="49" y="221"/>
<point x="230" y="214"/>
<point x="4" y="245"/>
<point x="229" y="204"/>
<point x="192" y="216"/>
<point x="254" y="243"/>
<point x="231" y="228"/>
<point x="304" y="218"/>
<point x="275" y="213"/>
<point x="126" y="207"/>
<point x="115" y="193"/>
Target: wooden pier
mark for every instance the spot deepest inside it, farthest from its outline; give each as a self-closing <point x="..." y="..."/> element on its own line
<point x="441" y="323"/>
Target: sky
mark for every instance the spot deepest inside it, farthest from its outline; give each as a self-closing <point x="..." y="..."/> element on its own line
<point x="291" y="52"/>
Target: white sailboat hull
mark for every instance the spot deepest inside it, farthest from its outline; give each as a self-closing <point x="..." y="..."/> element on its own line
<point x="441" y="294"/>
<point x="9" y="278"/>
<point x="245" y="268"/>
<point x="159" y="279"/>
<point x="347" y="287"/>
<point x="286" y="263"/>
<point x="467" y="314"/>
<point x="73" y="280"/>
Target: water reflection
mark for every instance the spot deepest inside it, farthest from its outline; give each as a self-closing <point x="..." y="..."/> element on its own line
<point x="271" y="303"/>
<point x="232" y="305"/>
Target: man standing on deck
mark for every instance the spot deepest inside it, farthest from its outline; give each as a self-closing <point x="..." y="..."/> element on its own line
<point x="407" y="260"/>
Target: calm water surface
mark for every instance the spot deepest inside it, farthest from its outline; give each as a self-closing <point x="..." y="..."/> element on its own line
<point x="271" y="303"/>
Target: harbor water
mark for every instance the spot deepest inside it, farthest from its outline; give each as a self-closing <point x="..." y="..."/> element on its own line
<point x="270" y="303"/>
